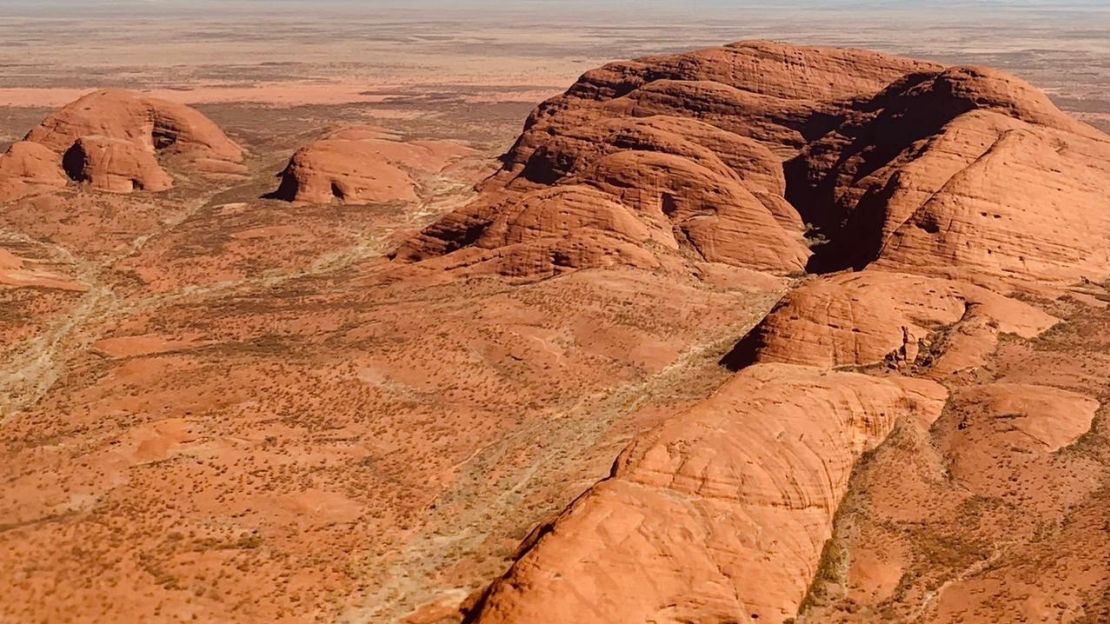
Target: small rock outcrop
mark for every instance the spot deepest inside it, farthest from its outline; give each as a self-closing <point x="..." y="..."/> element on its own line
<point x="880" y="317"/>
<point x="117" y="141"/>
<point x="359" y="166"/>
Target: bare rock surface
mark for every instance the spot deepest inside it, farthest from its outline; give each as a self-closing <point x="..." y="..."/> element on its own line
<point x="719" y="514"/>
<point x="175" y="130"/>
<point x="966" y="172"/>
<point x="358" y="166"/>
<point x="689" y="145"/>
<point x="873" y="317"/>
<point x="114" y="165"/>
<point x="738" y="155"/>
<point x="116" y="141"/>
<point x="963" y="200"/>
<point x="27" y="167"/>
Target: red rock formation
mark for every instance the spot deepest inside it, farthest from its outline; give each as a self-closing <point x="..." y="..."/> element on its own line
<point x="954" y="187"/>
<point x="720" y="514"/>
<point x="356" y="166"/>
<point x="873" y="317"/>
<point x="938" y="160"/>
<point x="116" y="141"/>
<point x="114" y="165"/>
<point x="690" y="145"/>
<point x="1031" y="209"/>
<point x="27" y="167"/>
<point x="894" y="160"/>
<point x="177" y="132"/>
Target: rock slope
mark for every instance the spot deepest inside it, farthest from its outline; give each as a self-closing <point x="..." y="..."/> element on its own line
<point x="949" y="190"/>
<point x="720" y="513"/>
<point x="28" y="167"/>
<point x="116" y="141"/>
<point x="880" y="317"/>
<point x="114" y="165"/>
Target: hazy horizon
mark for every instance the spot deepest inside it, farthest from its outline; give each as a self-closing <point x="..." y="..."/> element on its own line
<point x="168" y="43"/>
<point x="639" y="9"/>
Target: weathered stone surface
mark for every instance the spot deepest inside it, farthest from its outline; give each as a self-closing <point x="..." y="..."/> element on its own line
<point x="966" y="171"/>
<point x="114" y="165"/>
<point x="28" y="168"/>
<point x="356" y="166"/>
<point x="963" y="171"/>
<point x="176" y="131"/>
<point x="116" y="141"/>
<point x="690" y="144"/>
<point x="872" y="317"/>
<point x="718" y="515"/>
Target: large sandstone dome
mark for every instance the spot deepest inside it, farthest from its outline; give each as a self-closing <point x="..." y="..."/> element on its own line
<point x="647" y="162"/>
<point x="116" y="141"/>
<point x="931" y="194"/>
<point x="781" y="158"/>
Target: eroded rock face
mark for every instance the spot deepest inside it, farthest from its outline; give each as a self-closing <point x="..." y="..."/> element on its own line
<point x="1029" y="210"/>
<point x="176" y="131"/>
<point x="357" y="166"/>
<point x="116" y="141"/>
<point x="875" y="317"/>
<point x="725" y="155"/>
<point x="720" y="514"/>
<point x="27" y="167"/>
<point x="952" y="189"/>
<point x="964" y="171"/>
<point x="689" y="146"/>
<point x="114" y="165"/>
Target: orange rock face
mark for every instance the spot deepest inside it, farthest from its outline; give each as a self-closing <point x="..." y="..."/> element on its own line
<point x="951" y="188"/>
<point x="355" y="166"/>
<point x="28" y="166"/>
<point x="114" y="165"/>
<point x="683" y="154"/>
<point x="874" y="317"/>
<point x="966" y="171"/>
<point x="174" y="130"/>
<point x="116" y="141"/>
<point x="721" y="513"/>
<point x="926" y="169"/>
